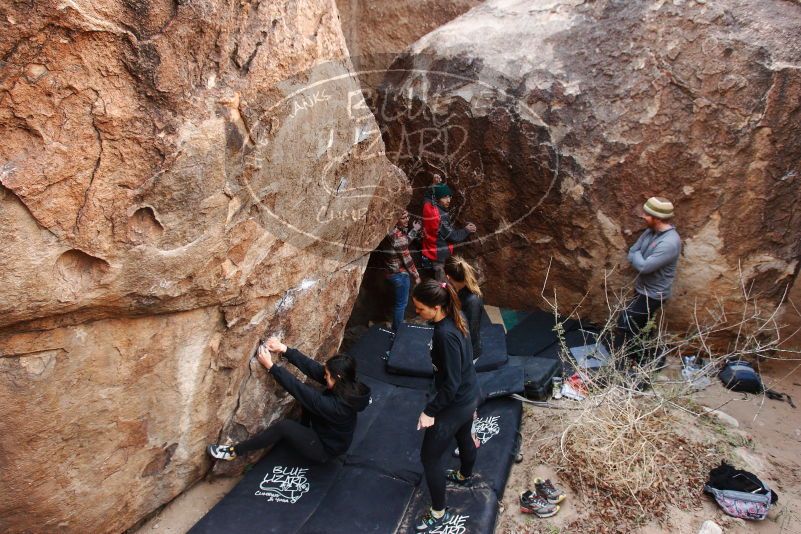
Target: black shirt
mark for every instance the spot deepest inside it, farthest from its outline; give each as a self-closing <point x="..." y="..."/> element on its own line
<point x="455" y="379"/>
<point x="472" y="307"/>
<point x="331" y="417"/>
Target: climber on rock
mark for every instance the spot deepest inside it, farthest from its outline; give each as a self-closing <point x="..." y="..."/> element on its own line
<point x="401" y="271"/>
<point x="654" y="256"/>
<point x="329" y="416"/>
<point x="439" y="235"/>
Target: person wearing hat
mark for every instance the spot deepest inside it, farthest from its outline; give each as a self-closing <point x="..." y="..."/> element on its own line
<point x="438" y="233"/>
<point x="654" y="256"/>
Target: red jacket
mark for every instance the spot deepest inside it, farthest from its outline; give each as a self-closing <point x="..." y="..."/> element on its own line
<point x="439" y="235"/>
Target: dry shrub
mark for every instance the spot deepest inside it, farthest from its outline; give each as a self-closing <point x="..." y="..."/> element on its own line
<point x="626" y="453"/>
<point x="630" y="453"/>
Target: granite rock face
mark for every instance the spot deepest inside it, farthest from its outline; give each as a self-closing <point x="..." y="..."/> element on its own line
<point x="554" y="121"/>
<point x="378" y="30"/>
<point x="178" y="179"/>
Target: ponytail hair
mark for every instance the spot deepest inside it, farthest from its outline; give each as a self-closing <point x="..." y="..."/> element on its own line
<point x="461" y="271"/>
<point x="433" y="293"/>
<point x="342" y="368"/>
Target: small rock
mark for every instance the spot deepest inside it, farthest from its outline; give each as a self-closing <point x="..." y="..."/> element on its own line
<point x="710" y="527"/>
<point x="34" y="71"/>
<point x="722" y="417"/>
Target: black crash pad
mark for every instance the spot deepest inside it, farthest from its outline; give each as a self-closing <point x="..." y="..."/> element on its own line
<point x="370" y="353"/>
<point x="360" y="501"/>
<point x="493" y="348"/>
<point x="501" y="382"/>
<point x="278" y="495"/>
<point x="474" y="510"/>
<point x="380" y="392"/>
<point x="497" y="428"/>
<point x="410" y="354"/>
<point x="411" y="350"/>
<point x="574" y="338"/>
<point x="391" y="444"/>
<point x="534" y="334"/>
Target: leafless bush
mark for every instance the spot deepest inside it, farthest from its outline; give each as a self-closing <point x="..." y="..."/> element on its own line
<point x="627" y="448"/>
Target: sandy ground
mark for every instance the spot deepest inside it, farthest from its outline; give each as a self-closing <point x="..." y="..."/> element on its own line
<point x="178" y="516"/>
<point x="766" y="442"/>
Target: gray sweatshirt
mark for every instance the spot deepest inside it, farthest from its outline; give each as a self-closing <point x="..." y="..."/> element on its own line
<point x="655" y="255"/>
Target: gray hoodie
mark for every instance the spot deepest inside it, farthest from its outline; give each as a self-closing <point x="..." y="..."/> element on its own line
<point x="655" y="255"/>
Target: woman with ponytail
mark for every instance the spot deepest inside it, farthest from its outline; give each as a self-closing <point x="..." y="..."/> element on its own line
<point x="329" y="416"/>
<point x="462" y="277"/>
<point x="449" y="413"/>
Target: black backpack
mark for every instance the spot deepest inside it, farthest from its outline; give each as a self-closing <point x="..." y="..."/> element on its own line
<point x="738" y="375"/>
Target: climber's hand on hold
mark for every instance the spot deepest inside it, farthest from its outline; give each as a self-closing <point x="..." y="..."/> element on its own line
<point x="275" y="345"/>
<point x="471" y="228"/>
<point x="265" y="358"/>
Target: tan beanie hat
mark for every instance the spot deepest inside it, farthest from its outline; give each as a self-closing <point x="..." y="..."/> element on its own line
<point x="659" y="207"/>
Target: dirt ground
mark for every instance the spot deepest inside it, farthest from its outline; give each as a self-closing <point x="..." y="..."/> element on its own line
<point x="766" y="442"/>
<point x="182" y="513"/>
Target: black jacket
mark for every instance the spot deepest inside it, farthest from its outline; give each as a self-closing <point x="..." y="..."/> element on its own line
<point x="472" y="307"/>
<point x="455" y="380"/>
<point x="331" y="417"/>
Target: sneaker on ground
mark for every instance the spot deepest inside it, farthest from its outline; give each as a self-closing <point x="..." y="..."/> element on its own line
<point x="453" y="475"/>
<point x="531" y="503"/>
<point x="222" y="452"/>
<point x="428" y="522"/>
<point x="547" y="491"/>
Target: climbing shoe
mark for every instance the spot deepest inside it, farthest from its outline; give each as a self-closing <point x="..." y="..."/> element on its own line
<point x="453" y="475"/>
<point x="531" y="503"/>
<point x="547" y="491"/>
<point x="221" y="452"/>
<point x="428" y="522"/>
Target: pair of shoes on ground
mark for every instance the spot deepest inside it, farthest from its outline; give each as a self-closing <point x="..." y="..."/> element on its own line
<point x="543" y="501"/>
<point x="222" y="452"/>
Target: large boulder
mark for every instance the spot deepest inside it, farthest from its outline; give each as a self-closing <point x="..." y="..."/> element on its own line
<point x="178" y="179"/>
<point x="377" y="31"/>
<point x="555" y="120"/>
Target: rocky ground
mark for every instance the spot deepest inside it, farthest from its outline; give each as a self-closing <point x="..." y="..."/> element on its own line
<point x="765" y="441"/>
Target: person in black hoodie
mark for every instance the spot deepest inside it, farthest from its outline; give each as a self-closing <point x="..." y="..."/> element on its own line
<point x="329" y="416"/>
<point x="462" y="277"/>
<point x="449" y="413"/>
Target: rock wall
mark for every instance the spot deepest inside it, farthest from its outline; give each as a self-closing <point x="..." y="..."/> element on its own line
<point x="378" y="30"/>
<point x="178" y="179"/>
<point x="554" y="121"/>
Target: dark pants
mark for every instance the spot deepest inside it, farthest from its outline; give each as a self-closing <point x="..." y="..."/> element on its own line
<point x="634" y="317"/>
<point x="452" y="422"/>
<point x="433" y="269"/>
<point x="401" y="283"/>
<point x="301" y="438"/>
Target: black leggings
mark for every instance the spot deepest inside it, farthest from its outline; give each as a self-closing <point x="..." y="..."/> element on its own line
<point x="453" y="422"/>
<point x="303" y="440"/>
